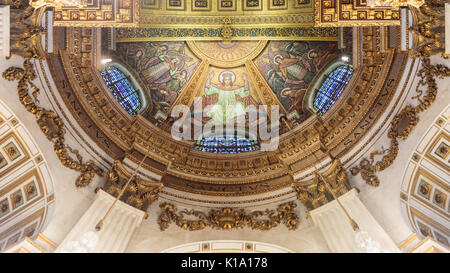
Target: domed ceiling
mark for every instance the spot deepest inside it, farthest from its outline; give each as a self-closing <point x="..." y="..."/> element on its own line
<point x="194" y="73"/>
<point x="220" y="65"/>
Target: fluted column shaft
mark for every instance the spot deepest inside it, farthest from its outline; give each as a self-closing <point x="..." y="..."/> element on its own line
<point x="117" y="229"/>
<point x="337" y="230"/>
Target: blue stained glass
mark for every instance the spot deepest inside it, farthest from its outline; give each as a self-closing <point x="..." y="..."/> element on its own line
<point x="122" y="90"/>
<point x="331" y="88"/>
<point x="227" y="145"/>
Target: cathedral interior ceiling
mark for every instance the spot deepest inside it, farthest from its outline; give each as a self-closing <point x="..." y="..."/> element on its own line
<point x="187" y="13"/>
<point x="253" y="60"/>
<point x="261" y="64"/>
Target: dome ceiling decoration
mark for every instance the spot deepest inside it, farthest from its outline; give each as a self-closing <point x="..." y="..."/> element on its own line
<point x="204" y="173"/>
<point x="275" y="69"/>
<point x="166" y="68"/>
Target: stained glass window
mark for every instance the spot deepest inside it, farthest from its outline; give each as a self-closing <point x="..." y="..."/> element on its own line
<point x="332" y="87"/>
<point x="122" y="90"/>
<point x="227" y="144"/>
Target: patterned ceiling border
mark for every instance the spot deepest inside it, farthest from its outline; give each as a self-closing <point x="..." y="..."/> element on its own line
<point x="238" y="33"/>
<point x="286" y="20"/>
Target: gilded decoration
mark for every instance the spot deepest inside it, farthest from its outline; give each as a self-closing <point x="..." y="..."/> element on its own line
<point x="171" y="70"/>
<point x="426" y="89"/>
<point x="351" y="13"/>
<point x="257" y="172"/>
<point x="211" y="13"/>
<point x="140" y="193"/>
<point x="237" y="33"/>
<point x="100" y="13"/>
<point x="229" y="54"/>
<point x="395" y="3"/>
<point x="194" y="171"/>
<point x="403" y="122"/>
<point x="314" y="193"/>
<point x="49" y="122"/>
<point x="229" y="218"/>
<point x="428" y="29"/>
<point x="57" y="3"/>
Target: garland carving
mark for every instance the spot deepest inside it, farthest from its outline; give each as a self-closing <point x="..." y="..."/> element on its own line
<point x="229" y="218"/>
<point x="49" y="122"/>
<point x="403" y="123"/>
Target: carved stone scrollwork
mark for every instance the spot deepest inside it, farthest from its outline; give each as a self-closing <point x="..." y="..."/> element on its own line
<point x="315" y="194"/>
<point x="139" y="194"/>
<point x="428" y="29"/>
<point x="24" y="34"/>
<point x="17" y="4"/>
<point x="50" y="123"/>
<point x="229" y="218"/>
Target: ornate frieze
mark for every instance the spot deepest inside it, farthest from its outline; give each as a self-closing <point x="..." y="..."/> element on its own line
<point x="237" y="33"/>
<point x="229" y="218"/>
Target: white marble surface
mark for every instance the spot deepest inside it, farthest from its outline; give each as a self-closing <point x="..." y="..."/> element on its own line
<point x="118" y="227"/>
<point x="336" y="228"/>
<point x="70" y="202"/>
<point x="384" y="201"/>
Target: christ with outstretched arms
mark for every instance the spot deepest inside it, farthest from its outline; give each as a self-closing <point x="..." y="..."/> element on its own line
<point x="228" y="106"/>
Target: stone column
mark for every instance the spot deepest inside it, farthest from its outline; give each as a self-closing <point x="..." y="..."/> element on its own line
<point x="337" y="230"/>
<point x="117" y="229"/>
